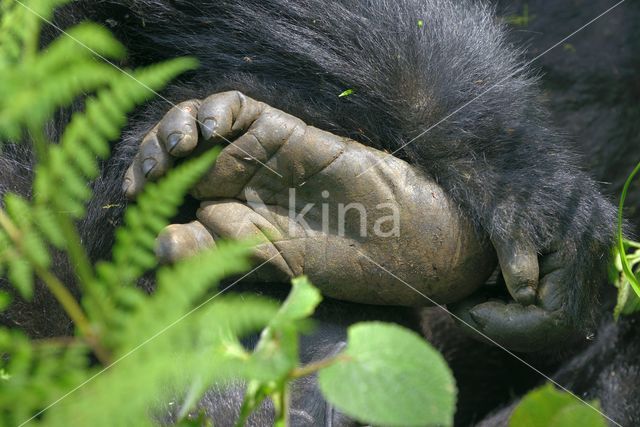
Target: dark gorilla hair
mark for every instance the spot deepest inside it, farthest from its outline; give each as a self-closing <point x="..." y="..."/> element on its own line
<point x="496" y="155"/>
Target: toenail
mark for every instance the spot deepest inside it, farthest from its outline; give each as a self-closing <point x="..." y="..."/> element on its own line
<point x="478" y="316"/>
<point x="173" y="140"/>
<point x="148" y="165"/>
<point x="165" y="249"/>
<point x="208" y="128"/>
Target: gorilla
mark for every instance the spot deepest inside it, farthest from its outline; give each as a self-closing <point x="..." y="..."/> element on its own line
<point x="445" y="121"/>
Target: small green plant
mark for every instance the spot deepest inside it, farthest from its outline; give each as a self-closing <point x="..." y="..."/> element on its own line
<point x="132" y="350"/>
<point x="625" y="270"/>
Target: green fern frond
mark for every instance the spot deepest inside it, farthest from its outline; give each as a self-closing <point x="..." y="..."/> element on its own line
<point x="134" y="248"/>
<point x="47" y="225"/>
<point x="161" y="343"/>
<point x="179" y="289"/>
<point x="20" y="274"/>
<point x="163" y="364"/>
<point x="27" y="248"/>
<point x="38" y="82"/>
<point x="5" y="245"/>
<point x="62" y="178"/>
<point x="10" y="42"/>
<point x="86" y="39"/>
<point x="34" y="106"/>
<point x="38" y="85"/>
<point x="165" y="329"/>
<point x="35" y="86"/>
<point x="36" y="373"/>
<point x="20" y="27"/>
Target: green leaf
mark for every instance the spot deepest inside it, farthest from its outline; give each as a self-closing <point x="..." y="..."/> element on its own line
<point x="548" y="407"/>
<point x="300" y="303"/>
<point x="346" y="93"/>
<point x="626" y="268"/>
<point x="391" y="376"/>
<point x="21" y="276"/>
<point x="170" y="352"/>
<point x="133" y="251"/>
<point x="628" y="301"/>
<point x="46" y="222"/>
<point x="276" y="353"/>
<point x="85" y="40"/>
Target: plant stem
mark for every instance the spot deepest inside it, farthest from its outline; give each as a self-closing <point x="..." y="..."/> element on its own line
<point x="66" y="300"/>
<point x="73" y="309"/>
<point x="9" y="227"/>
<point x="626" y="268"/>
<point x="39" y="143"/>
<point x="283" y="404"/>
<point x="313" y="367"/>
<point x="76" y="251"/>
<point x="59" y="291"/>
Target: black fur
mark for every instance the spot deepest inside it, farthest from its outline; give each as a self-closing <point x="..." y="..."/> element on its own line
<point x="498" y="157"/>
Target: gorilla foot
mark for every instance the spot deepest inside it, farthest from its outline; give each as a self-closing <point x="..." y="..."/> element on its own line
<point x="301" y="192"/>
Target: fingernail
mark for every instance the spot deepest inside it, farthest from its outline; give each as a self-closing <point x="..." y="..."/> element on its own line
<point x="173" y="140"/>
<point x="148" y="165"/>
<point x="125" y="185"/>
<point x="478" y="316"/>
<point x="208" y="128"/>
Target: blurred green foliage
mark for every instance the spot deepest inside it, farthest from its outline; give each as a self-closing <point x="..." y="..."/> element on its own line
<point x="625" y="269"/>
<point x="548" y="407"/>
<point x="520" y="20"/>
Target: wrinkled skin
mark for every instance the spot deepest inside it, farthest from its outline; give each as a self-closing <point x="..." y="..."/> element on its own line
<point x="432" y="249"/>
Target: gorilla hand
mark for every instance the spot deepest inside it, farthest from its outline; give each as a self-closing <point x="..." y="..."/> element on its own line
<point x="297" y="188"/>
<point x="528" y="328"/>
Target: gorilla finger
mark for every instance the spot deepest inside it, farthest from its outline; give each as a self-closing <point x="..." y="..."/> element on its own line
<point x="178" y="130"/>
<point x="519" y="266"/>
<point x="552" y="291"/>
<point x="155" y="159"/>
<point x="520" y="328"/>
<point x="551" y="261"/>
<point x="223" y="114"/>
<point x="134" y="179"/>
<point x="231" y="219"/>
<point x="178" y="241"/>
